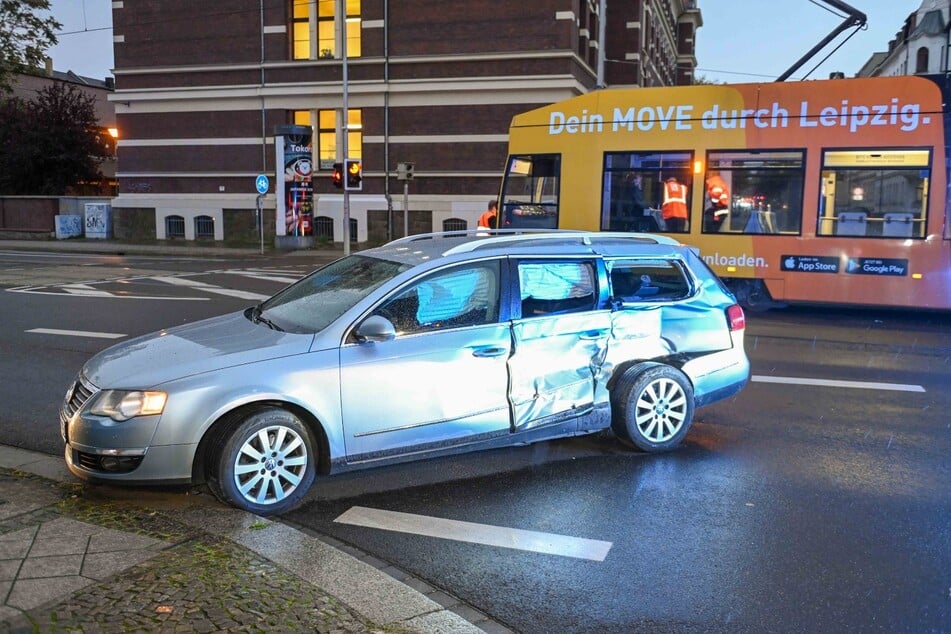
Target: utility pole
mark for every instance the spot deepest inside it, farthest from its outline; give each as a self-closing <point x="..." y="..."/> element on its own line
<point x="342" y="8"/>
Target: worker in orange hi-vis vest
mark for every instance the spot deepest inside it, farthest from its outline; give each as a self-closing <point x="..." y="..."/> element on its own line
<point x="674" y="207"/>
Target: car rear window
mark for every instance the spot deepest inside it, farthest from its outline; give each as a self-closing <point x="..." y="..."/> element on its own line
<point x="648" y="280"/>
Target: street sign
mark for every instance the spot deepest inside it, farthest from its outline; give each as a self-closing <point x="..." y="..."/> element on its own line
<point x="261" y="183"/>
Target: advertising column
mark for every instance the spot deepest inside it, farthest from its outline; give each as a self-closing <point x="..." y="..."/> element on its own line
<point x="295" y="187"/>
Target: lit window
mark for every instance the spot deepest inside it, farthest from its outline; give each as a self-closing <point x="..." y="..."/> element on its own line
<point x="634" y="187"/>
<point x="327" y="137"/>
<point x="874" y="193"/>
<point x="300" y="28"/>
<point x="757" y="192"/>
<point x="325" y="27"/>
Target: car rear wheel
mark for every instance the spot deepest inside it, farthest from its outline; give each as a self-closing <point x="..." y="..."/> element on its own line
<point x="652" y="407"/>
<point x="266" y="463"/>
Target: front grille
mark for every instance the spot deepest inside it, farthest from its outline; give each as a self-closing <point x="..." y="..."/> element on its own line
<point x="78" y="394"/>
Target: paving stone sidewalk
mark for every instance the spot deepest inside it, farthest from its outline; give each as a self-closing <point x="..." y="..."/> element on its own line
<point x="68" y="565"/>
<point x="74" y="560"/>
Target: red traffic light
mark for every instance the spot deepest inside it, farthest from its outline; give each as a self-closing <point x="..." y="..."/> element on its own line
<point x="337" y="175"/>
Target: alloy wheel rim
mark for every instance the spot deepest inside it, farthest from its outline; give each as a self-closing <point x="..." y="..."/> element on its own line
<point x="270" y="465"/>
<point x="660" y="410"/>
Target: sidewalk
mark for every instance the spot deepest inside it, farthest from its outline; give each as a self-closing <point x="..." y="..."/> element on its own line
<point x="90" y="558"/>
<point x="190" y="249"/>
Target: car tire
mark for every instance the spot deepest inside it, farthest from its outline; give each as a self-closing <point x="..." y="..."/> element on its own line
<point x="652" y="407"/>
<point x="266" y="463"/>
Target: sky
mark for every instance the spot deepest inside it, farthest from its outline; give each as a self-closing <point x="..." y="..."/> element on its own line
<point x="740" y="40"/>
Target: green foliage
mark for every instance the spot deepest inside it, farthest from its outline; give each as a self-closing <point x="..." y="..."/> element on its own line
<point x="25" y="37"/>
<point x="50" y="143"/>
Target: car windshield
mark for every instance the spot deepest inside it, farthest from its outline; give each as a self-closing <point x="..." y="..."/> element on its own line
<point x="315" y="301"/>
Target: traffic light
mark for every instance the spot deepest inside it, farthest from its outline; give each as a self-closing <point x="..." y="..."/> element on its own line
<point x="354" y="175"/>
<point x="404" y="171"/>
<point x="337" y="175"/>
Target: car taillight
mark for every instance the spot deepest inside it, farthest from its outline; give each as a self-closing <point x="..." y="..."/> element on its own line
<point x="735" y="317"/>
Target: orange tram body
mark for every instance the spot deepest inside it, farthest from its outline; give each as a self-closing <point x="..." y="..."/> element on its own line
<point x="829" y="192"/>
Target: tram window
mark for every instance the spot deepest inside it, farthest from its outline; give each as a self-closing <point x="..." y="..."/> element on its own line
<point x="633" y="189"/>
<point x="874" y="193"/>
<point x="755" y="191"/>
<point x="530" y="192"/>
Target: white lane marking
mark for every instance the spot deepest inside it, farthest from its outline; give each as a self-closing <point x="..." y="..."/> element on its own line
<point x="515" y="538"/>
<point x="209" y="288"/>
<point x="39" y="290"/>
<point x="262" y="276"/>
<point x="862" y="385"/>
<point x="77" y="333"/>
<point x="85" y="289"/>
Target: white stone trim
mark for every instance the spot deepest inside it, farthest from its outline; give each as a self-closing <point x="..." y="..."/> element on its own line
<point x="118" y="4"/>
<point x="276" y="28"/>
<point x="564" y="15"/>
<point x="372" y="24"/>
<point x="118" y="39"/>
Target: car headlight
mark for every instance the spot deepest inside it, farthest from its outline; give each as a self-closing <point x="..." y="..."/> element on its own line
<point x="120" y="405"/>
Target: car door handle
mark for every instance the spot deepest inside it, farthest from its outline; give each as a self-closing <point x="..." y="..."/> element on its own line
<point x="594" y="334"/>
<point x="489" y="351"/>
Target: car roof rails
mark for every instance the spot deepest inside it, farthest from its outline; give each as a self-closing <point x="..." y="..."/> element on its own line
<point x="584" y="237"/>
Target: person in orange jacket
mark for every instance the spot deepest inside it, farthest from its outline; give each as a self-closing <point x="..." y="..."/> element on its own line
<point x="719" y="194"/>
<point x="489" y="219"/>
<point x="674" y="207"/>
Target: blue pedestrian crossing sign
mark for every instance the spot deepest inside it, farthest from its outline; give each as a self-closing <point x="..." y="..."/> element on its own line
<point x="262" y="183"/>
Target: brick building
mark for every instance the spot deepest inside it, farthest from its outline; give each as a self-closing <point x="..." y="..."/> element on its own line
<point x="202" y="87"/>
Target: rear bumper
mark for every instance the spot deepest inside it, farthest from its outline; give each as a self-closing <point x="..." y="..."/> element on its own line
<point x="718" y="376"/>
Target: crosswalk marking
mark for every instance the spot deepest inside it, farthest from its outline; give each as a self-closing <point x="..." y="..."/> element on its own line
<point x="209" y="288"/>
<point x="263" y="276"/>
<point x="486" y="534"/>
<point x="85" y="289"/>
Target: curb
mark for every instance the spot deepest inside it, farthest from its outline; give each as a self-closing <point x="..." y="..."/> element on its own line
<point x="365" y="589"/>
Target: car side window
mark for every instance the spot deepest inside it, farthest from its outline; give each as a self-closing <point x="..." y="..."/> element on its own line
<point x="648" y="281"/>
<point x="556" y="287"/>
<point x="461" y="296"/>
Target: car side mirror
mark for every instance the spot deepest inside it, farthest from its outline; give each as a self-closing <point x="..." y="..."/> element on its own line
<point x="376" y="328"/>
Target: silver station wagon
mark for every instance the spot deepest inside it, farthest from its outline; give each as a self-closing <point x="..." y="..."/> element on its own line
<point x="429" y="345"/>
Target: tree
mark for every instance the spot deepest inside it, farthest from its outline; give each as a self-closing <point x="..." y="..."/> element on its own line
<point x="51" y="143"/>
<point x="24" y="38"/>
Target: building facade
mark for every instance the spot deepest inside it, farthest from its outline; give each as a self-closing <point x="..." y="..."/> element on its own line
<point x="920" y="47"/>
<point x="201" y="89"/>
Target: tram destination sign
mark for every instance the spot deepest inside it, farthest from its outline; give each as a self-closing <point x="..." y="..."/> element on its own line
<point x="810" y="263"/>
<point x="877" y="266"/>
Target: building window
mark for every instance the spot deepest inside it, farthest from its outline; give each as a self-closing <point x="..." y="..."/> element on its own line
<point x="327" y="137"/>
<point x="300" y="29"/>
<point x="633" y="188"/>
<point x="353" y="230"/>
<point x="874" y="193"/>
<point x="302" y="117"/>
<point x="763" y="192"/>
<point x="921" y="62"/>
<point x="324" y="228"/>
<point x="204" y="228"/>
<point x="318" y="22"/>
<point x="454" y="224"/>
<point x="174" y="227"/>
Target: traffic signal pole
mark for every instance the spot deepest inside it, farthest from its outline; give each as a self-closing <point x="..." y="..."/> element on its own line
<point x="342" y="9"/>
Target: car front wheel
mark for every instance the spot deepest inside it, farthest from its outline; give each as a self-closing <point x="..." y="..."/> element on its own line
<point x="652" y="407"/>
<point x="266" y="463"/>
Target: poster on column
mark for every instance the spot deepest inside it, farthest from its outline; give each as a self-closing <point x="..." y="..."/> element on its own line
<point x="295" y="195"/>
